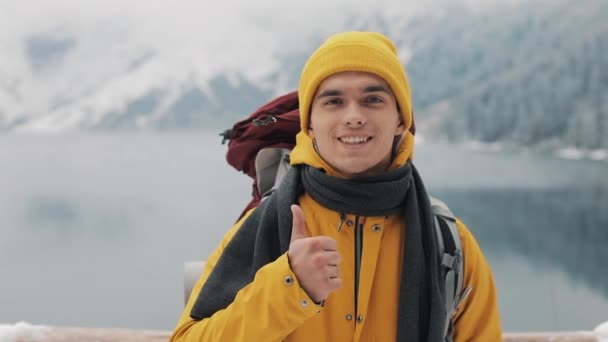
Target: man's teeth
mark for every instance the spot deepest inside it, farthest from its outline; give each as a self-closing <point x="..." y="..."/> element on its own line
<point x="354" y="140"/>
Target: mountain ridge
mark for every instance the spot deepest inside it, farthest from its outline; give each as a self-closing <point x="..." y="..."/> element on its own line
<point x="529" y="74"/>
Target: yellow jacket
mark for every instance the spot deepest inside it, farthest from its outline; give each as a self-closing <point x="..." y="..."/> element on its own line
<point x="271" y="309"/>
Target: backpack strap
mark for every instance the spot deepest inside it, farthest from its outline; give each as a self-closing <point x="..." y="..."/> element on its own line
<point x="271" y="165"/>
<point x="451" y="257"/>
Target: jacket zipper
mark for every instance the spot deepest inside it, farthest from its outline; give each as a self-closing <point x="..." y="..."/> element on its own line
<point x="342" y="219"/>
<point x="358" y="254"/>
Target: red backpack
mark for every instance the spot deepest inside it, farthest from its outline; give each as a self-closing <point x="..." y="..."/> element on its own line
<point x="274" y="125"/>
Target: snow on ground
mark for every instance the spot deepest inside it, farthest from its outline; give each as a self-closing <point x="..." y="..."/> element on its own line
<point x="9" y="332"/>
<point x="601" y="331"/>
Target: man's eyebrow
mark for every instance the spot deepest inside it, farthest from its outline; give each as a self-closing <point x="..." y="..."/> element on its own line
<point x="329" y="92"/>
<point x="368" y="89"/>
<point x="375" y="88"/>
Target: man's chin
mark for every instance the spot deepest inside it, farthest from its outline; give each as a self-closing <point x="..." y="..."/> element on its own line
<point x="358" y="170"/>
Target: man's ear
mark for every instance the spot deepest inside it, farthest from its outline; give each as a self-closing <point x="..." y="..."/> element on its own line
<point x="400" y="128"/>
<point x="311" y="132"/>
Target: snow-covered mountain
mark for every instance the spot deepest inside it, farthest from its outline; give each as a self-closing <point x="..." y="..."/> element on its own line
<point x="524" y="72"/>
<point x="533" y="75"/>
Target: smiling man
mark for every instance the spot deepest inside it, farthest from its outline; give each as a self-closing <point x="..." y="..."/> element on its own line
<point x="345" y="249"/>
<point x="355" y="123"/>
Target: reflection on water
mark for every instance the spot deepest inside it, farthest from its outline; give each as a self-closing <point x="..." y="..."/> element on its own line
<point x="51" y="211"/>
<point x="71" y="216"/>
<point x="95" y="228"/>
<point x="564" y="229"/>
<point x="548" y="252"/>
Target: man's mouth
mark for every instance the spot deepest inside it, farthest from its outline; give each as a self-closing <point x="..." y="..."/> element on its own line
<point x="354" y="140"/>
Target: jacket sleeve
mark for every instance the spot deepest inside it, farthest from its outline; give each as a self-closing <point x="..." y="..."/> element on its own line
<point x="477" y="318"/>
<point x="268" y="309"/>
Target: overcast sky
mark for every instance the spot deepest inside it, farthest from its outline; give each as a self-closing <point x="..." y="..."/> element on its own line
<point x="206" y="20"/>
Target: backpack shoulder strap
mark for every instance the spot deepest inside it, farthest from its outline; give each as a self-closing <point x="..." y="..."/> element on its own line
<point x="271" y="165"/>
<point x="450" y="254"/>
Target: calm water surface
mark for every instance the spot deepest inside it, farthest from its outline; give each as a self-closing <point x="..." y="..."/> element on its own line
<point x="94" y="229"/>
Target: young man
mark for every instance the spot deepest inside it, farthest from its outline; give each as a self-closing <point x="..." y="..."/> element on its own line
<point x="344" y="250"/>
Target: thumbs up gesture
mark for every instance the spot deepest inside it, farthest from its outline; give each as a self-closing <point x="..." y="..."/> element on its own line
<point x="314" y="260"/>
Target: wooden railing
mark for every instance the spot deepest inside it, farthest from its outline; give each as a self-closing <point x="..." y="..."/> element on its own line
<point x="57" y="334"/>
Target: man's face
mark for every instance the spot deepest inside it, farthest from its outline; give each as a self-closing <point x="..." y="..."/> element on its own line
<point x="354" y="120"/>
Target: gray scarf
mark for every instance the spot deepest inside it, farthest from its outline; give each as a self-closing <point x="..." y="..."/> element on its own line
<point x="266" y="234"/>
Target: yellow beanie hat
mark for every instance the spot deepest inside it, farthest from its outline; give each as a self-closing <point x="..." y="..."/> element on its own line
<point x="355" y="51"/>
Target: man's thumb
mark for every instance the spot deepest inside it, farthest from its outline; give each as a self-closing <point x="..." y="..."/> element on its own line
<point x="298" y="229"/>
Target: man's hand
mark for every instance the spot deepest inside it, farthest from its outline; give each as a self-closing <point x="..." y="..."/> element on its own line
<point x="314" y="260"/>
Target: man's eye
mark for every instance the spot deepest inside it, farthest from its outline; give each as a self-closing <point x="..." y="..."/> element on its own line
<point x="375" y="99"/>
<point x="333" y="101"/>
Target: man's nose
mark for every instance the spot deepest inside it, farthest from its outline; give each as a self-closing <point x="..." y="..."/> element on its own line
<point x="354" y="116"/>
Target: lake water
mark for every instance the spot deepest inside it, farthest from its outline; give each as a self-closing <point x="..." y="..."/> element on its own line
<point x="94" y="228"/>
